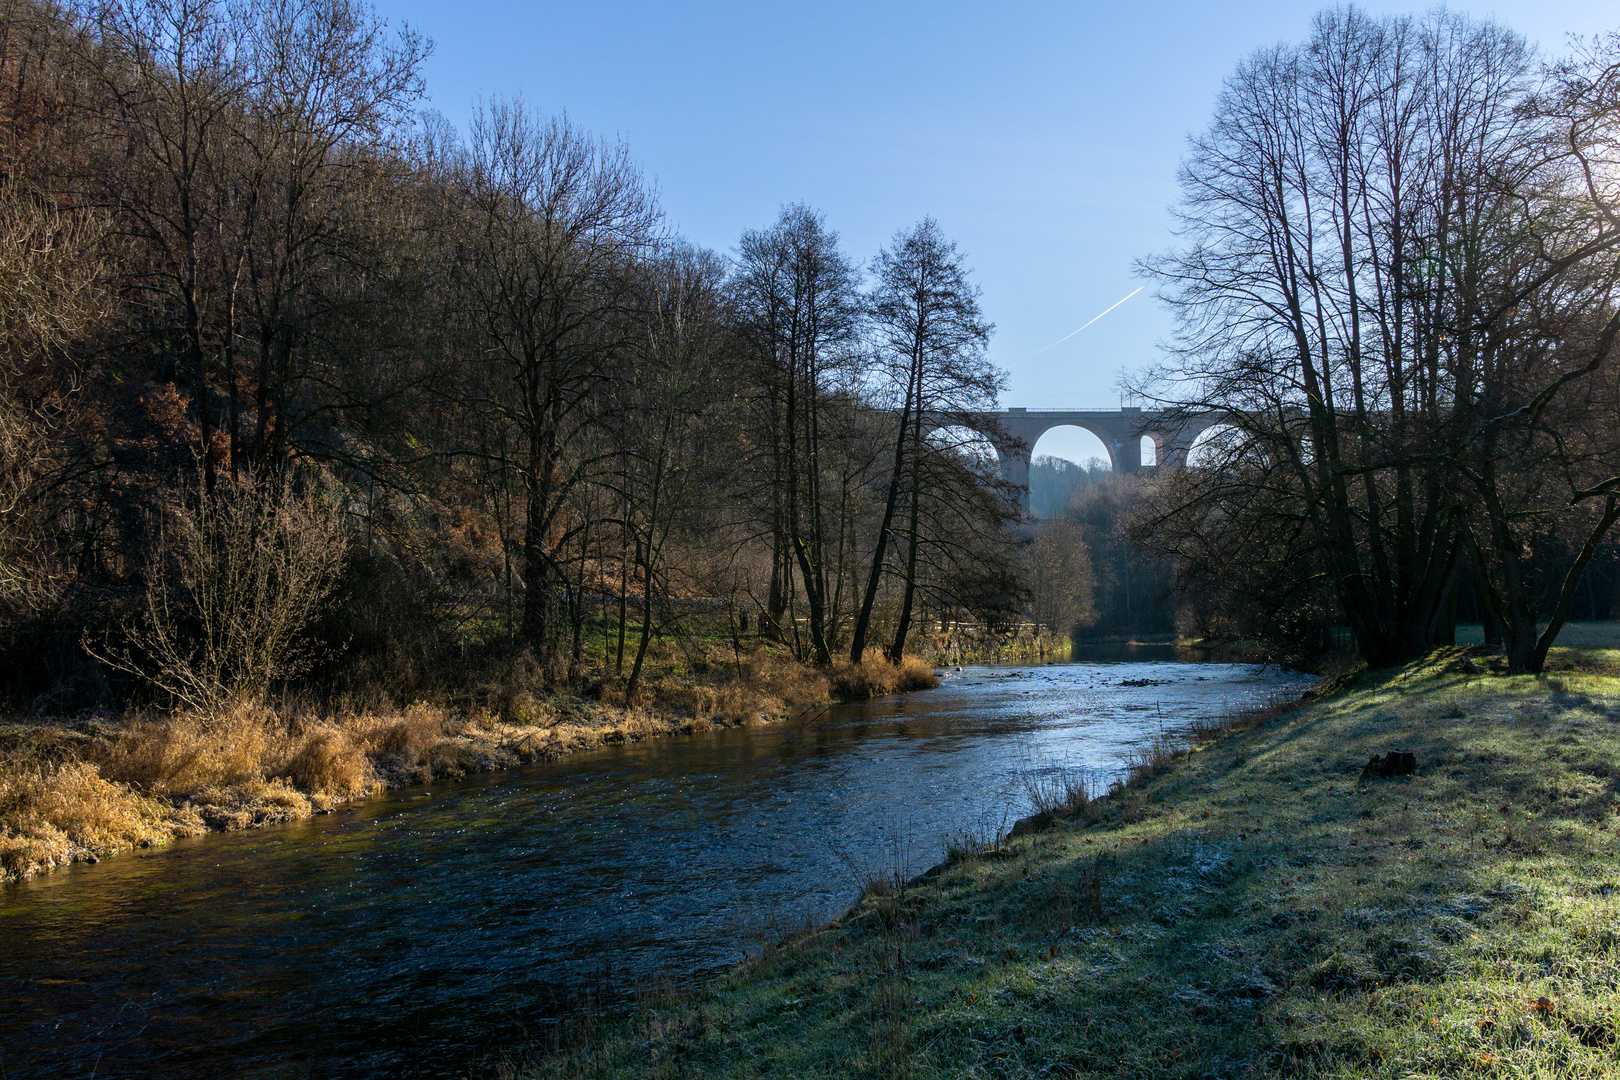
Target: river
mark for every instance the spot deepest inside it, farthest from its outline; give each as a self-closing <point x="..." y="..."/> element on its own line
<point x="408" y="935"/>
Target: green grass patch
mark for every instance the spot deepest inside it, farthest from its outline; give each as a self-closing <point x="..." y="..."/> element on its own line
<point x="1247" y="908"/>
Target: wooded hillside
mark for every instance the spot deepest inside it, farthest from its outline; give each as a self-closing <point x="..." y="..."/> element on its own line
<point x="300" y="386"/>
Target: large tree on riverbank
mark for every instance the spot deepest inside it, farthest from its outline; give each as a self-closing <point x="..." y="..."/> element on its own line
<point x="1366" y="221"/>
<point x="798" y="298"/>
<point x="931" y="339"/>
<point x="552" y="225"/>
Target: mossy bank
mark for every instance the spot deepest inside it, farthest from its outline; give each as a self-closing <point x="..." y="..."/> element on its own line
<point x="1252" y="906"/>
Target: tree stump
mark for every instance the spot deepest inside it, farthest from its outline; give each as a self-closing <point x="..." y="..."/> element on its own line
<point x="1394" y="763"/>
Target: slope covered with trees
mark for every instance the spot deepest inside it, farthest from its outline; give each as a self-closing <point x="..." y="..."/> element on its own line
<point x="303" y="390"/>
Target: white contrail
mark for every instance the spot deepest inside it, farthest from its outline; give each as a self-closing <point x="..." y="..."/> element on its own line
<point x="1075" y="331"/>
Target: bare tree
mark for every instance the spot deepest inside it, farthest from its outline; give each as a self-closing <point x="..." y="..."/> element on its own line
<point x="233" y="583"/>
<point x="931" y="341"/>
<point x="330" y="88"/>
<point x="174" y="77"/>
<point x="1060" y="577"/>
<point x="1544" y="456"/>
<point x="52" y="289"/>
<point x="800" y="306"/>
<point x="1362" y="217"/>
<point x="554" y="223"/>
<point x="961" y="548"/>
<point x="668" y="470"/>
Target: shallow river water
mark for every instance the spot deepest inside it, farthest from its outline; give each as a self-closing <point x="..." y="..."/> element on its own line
<point x="416" y="934"/>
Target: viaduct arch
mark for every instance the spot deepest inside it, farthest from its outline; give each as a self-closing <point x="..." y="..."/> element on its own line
<point x="1121" y="432"/>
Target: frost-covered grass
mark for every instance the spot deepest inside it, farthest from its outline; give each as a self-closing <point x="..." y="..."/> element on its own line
<point x="1248" y="908"/>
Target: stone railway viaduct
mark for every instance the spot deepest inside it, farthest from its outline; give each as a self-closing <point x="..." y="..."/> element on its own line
<point x="1121" y="432"/>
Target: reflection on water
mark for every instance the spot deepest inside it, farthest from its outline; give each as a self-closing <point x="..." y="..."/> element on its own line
<point x="1127" y="652"/>
<point x="405" y="936"/>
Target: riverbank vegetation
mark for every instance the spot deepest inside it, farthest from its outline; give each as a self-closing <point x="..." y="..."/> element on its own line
<point x="1257" y="903"/>
<point x="91" y="786"/>
<point x="305" y="391"/>
<point x="1396" y="296"/>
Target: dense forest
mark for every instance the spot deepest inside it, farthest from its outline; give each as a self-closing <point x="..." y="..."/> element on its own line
<point x="304" y="388"/>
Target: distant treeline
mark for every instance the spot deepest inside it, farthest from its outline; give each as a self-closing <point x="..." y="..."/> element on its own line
<point x="1132" y="586"/>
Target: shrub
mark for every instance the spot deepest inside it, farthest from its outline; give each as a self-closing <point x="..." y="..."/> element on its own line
<point x="784" y="678"/>
<point x="328" y="763"/>
<point x="875" y="676"/>
<point x="917" y="674"/>
<point x="234" y="581"/>
<point x="411" y="736"/>
<point x="49" y="812"/>
<point x="184" y="754"/>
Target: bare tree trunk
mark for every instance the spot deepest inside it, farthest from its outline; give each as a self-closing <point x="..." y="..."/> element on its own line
<point x="897" y="648"/>
<point x="199" y="360"/>
<point x="777" y="597"/>
<point x="1538" y="654"/>
<point x="891" y="502"/>
<point x="644" y="553"/>
<point x="624" y="589"/>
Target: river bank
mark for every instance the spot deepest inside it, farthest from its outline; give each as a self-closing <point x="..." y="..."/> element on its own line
<point x="85" y="788"/>
<point x="1023" y="644"/>
<point x="417" y="933"/>
<point x="1253" y="905"/>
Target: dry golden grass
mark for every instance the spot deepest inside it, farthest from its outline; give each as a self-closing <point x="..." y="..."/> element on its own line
<point x="330" y="763"/>
<point x="875" y="676"/>
<point x="69" y="793"/>
<point x="183" y="754"/>
<point x="156" y="777"/>
<point x="413" y="735"/>
<point x="785" y="679"/>
<point x="53" y="814"/>
<point x="257" y="802"/>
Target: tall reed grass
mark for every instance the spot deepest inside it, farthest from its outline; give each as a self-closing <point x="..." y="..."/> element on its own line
<point x="52" y="814"/>
<point x="876" y="676"/>
<point x="1055" y="793"/>
<point x="1158" y="754"/>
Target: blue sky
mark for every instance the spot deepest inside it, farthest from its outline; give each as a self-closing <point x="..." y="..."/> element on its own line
<point x="1044" y="137"/>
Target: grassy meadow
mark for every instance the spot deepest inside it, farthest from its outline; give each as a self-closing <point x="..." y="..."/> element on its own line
<point x="1245" y="906"/>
